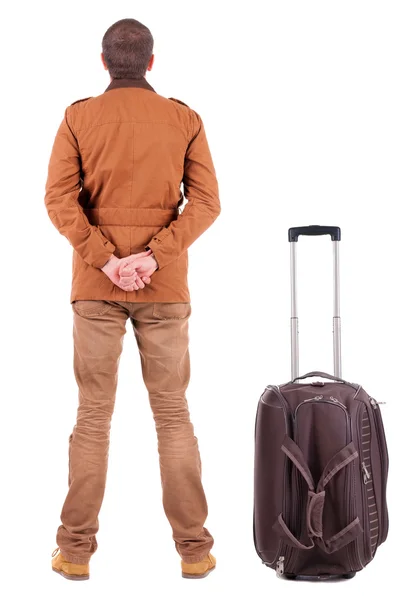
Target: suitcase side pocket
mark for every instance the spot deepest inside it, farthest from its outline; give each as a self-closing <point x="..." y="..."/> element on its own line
<point x="368" y="496"/>
<point x="270" y="483"/>
<point x="382" y="454"/>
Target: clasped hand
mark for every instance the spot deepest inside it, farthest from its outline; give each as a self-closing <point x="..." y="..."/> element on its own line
<point x="132" y="272"/>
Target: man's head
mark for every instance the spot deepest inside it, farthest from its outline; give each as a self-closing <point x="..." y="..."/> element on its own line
<point x="127" y="50"/>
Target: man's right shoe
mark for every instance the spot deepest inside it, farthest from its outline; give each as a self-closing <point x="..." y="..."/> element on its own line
<point x="200" y="569"/>
<point x="67" y="569"/>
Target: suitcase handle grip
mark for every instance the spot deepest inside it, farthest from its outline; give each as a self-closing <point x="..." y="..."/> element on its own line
<point x="334" y="232"/>
<point x="325" y="376"/>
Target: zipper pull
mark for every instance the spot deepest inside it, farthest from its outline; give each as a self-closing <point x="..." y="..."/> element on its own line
<point x="312" y="399"/>
<point x="280" y="566"/>
<point x="375" y="403"/>
<point x="337" y="402"/>
<point x="366" y="474"/>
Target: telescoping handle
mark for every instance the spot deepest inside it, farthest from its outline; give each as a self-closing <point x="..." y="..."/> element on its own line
<point x="295" y="232"/>
<point x="335" y="234"/>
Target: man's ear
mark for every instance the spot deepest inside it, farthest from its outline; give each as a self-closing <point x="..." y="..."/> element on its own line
<point x="103" y="61"/>
<point x="151" y="63"/>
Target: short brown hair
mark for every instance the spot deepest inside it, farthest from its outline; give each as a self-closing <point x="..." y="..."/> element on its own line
<point x="127" y="47"/>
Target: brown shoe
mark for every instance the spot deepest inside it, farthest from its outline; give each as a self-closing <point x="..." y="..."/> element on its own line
<point x="200" y="569"/>
<point x="67" y="569"/>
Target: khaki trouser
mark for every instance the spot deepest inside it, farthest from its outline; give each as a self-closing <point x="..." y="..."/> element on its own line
<point x="161" y="331"/>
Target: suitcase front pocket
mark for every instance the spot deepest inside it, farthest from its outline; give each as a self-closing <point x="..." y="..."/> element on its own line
<point x="324" y="520"/>
<point x="316" y="502"/>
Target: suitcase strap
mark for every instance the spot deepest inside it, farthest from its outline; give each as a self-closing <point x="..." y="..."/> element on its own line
<point x="316" y="499"/>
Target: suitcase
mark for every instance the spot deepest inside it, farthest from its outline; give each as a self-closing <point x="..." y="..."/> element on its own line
<point x="321" y="462"/>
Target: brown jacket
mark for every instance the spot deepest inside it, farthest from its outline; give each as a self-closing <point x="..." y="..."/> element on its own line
<point x="113" y="187"/>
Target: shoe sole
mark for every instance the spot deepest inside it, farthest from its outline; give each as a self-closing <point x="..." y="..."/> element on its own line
<point x="187" y="576"/>
<point x="71" y="577"/>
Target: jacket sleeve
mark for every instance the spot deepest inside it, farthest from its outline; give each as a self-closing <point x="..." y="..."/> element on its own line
<point x="203" y="206"/>
<point x="61" y="199"/>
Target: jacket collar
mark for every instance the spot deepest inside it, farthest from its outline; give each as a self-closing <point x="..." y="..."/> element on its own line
<point x="138" y="83"/>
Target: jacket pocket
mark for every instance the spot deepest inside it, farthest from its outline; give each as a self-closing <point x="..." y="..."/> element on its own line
<point x="167" y="311"/>
<point x="91" y="308"/>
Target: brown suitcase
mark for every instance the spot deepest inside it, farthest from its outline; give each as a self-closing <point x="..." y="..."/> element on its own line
<point x="321" y="463"/>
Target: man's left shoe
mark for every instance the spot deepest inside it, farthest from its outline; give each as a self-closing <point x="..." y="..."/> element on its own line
<point x="67" y="569"/>
<point x="200" y="569"/>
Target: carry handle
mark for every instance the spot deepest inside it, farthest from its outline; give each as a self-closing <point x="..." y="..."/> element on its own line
<point x="325" y="376"/>
<point x="319" y="374"/>
<point x="334" y="232"/>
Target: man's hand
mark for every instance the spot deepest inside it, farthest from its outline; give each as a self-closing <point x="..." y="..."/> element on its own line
<point x="144" y="264"/>
<point x="131" y="280"/>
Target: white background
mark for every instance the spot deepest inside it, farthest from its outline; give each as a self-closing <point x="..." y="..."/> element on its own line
<point x="312" y="113"/>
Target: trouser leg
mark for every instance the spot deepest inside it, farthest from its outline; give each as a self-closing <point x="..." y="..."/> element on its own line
<point x="98" y="332"/>
<point x="161" y="331"/>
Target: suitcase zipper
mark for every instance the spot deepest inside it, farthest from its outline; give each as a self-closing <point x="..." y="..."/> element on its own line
<point x="338" y="402"/>
<point x="384" y="466"/>
<point x="311" y="399"/>
<point x="366" y="474"/>
<point x="330" y="400"/>
<point x="365" y="479"/>
<point x="366" y="514"/>
<point x="353" y="552"/>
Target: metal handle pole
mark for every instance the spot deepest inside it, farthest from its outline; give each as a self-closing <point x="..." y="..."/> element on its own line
<point x="294" y="324"/>
<point x="337" y="316"/>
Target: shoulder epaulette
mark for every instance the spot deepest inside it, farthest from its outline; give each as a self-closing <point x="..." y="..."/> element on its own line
<point x="179" y="102"/>
<point x="82" y="100"/>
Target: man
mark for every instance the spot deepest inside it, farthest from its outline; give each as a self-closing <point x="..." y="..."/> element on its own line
<point x="113" y="190"/>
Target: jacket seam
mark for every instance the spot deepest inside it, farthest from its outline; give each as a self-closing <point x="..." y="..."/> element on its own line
<point x="67" y="119"/>
<point x="131" y="184"/>
<point x="131" y="121"/>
